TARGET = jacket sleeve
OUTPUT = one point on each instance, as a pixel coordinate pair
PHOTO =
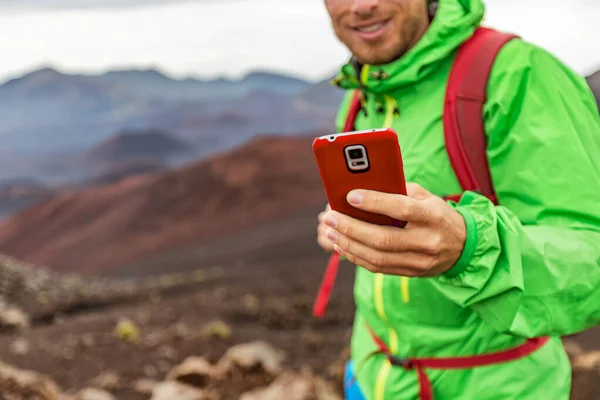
(531, 266)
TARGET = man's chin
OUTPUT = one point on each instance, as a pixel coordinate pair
(376, 60)
(377, 57)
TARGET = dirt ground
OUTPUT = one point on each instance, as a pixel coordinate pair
(266, 278)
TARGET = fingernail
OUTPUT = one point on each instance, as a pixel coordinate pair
(330, 221)
(338, 249)
(355, 197)
(332, 235)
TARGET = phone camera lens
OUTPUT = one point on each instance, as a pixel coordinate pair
(355, 154)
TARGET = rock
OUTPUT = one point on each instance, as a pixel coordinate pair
(572, 348)
(127, 330)
(144, 385)
(155, 338)
(108, 380)
(168, 352)
(294, 386)
(150, 371)
(163, 366)
(67, 354)
(182, 331)
(587, 360)
(586, 376)
(87, 340)
(19, 346)
(19, 384)
(251, 304)
(13, 318)
(195, 371)
(218, 329)
(251, 355)
(93, 394)
(170, 390)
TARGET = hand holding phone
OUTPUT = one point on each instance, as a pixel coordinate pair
(369, 160)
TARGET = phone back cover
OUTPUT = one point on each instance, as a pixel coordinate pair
(386, 173)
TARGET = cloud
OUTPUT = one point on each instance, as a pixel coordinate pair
(211, 38)
(45, 5)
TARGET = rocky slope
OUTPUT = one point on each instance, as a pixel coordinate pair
(104, 227)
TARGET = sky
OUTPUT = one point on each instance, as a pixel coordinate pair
(215, 38)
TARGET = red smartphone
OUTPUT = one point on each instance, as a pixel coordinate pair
(369, 159)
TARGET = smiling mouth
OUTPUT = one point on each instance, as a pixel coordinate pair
(371, 28)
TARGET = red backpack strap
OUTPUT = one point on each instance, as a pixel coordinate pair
(324, 293)
(353, 110)
(466, 95)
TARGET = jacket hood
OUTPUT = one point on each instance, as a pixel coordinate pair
(455, 21)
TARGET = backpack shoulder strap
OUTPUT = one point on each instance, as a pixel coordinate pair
(324, 293)
(466, 95)
(353, 110)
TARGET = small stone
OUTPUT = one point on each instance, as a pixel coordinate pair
(337, 370)
(150, 371)
(87, 340)
(19, 346)
(194, 371)
(94, 394)
(27, 384)
(293, 386)
(587, 360)
(168, 352)
(13, 318)
(42, 298)
(108, 380)
(68, 353)
(251, 304)
(250, 355)
(171, 390)
(163, 366)
(572, 348)
(182, 331)
(71, 341)
(153, 339)
(144, 385)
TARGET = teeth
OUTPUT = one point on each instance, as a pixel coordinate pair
(371, 28)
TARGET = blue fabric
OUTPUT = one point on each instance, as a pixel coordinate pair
(351, 389)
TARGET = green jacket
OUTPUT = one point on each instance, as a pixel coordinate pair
(531, 266)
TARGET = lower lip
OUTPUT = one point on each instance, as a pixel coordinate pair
(374, 35)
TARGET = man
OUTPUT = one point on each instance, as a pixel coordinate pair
(468, 278)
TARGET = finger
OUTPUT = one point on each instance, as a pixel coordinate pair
(321, 216)
(416, 191)
(327, 207)
(322, 229)
(400, 207)
(409, 263)
(354, 259)
(324, 243)
(389, 239)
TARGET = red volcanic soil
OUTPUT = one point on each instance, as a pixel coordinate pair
(101, 228)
